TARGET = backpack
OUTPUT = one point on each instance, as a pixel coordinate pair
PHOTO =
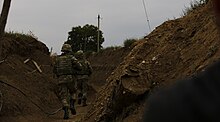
(63, 65)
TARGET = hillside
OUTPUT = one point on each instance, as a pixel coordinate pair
(174, 50)
(27, 93)
(122, 78)
(104, 63)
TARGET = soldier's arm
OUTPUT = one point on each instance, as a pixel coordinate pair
(89, 68)
(76, 64)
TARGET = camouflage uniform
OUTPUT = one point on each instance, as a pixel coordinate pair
(83, 77)
(65, 68)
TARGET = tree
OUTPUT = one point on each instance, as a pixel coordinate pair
(4, 16)
(129, 42)
(85, 38)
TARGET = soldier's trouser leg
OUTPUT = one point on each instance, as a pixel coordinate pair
(79, 89)
(64, 95)
(66, 113)
(72, 106)
(72, 91)
(79, 98)
(84, 91)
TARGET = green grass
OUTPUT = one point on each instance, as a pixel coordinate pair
(21, 36)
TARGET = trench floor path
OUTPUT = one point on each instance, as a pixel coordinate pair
(81, 111)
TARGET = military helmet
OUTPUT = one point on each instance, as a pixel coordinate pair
(79, 54)
(66, 48)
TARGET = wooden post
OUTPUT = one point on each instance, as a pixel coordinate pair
(37, 66)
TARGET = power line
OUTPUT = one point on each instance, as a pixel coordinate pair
(145, 10)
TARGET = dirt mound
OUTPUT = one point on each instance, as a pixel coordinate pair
(176, 49)
(26, 91)
(22, 45)
(103, 63)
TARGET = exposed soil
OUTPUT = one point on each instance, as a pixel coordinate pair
(104, 63)
(174, 50)
(122, 78)
(26, 91)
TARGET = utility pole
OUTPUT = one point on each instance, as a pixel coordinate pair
(98, 33)
(4, 16)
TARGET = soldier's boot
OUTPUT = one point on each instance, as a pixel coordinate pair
(79, 98)
(84, 102)
(72, 106)
(66, 113)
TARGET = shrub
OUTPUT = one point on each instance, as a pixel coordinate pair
(111, 48)
(193, 5)
(129, 42)
(22, 36)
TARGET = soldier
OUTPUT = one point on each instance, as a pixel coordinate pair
(82, 77)
(65, 67)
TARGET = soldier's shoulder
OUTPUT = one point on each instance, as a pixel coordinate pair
(61, 56)
(87, 61)
(57, 57)
(72, 57)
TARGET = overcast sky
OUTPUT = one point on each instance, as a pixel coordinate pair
(51, 20)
